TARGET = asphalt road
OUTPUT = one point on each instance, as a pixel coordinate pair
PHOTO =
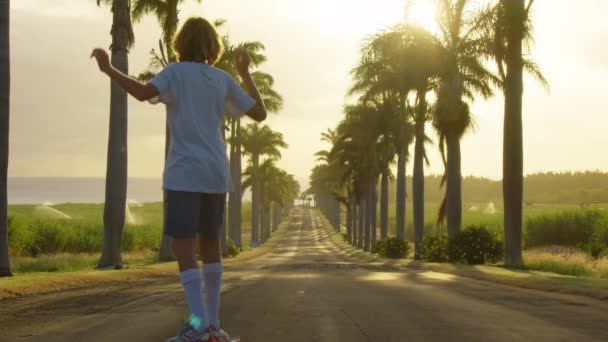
(306, 289)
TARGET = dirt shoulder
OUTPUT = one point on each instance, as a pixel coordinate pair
(544, 281)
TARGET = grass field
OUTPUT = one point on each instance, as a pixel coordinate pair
(68, 237)
(487, 214)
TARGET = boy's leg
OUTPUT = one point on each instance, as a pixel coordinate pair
(212, 276)
(190, 275)
(212, 217)
(182, 220)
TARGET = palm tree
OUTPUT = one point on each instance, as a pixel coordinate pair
(512, 28)
(464, 75)
(273, 102)
(116, 171)
(166, 12)
(394, 63)
(5, 84)
(331, 191)
(420, 55)
(359, 154)
(330, 184)
(277, 188)
(263, 173)
(259, 141)
(327, 186)
(282, 191)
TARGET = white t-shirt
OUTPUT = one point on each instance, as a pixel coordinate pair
(197, 96)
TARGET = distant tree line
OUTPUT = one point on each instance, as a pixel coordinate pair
(580, 188)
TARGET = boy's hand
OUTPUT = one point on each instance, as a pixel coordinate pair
(243, 61)
(103, 60)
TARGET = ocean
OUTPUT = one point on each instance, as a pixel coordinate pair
(77, 190)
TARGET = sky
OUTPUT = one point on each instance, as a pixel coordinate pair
(60, 102)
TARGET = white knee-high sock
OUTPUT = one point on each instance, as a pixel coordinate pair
(213, 284)
(191, 281)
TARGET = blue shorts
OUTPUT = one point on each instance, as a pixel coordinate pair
(192, 213)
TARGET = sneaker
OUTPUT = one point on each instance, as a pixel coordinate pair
(219, 335)
(190, 334)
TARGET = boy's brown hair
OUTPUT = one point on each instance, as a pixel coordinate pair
(198, 41)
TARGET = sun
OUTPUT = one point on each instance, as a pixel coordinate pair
(422, 13)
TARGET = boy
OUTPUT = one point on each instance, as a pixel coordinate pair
(197, 174)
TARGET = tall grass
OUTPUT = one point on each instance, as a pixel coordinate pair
(567, 228)
(32, 233)
(476, 213)
(39, 236)
(566, 261)
(575, 228)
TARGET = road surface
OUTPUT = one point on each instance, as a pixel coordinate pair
(306, 289)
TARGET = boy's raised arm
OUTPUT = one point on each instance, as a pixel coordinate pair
(138, 90)
(257, 112)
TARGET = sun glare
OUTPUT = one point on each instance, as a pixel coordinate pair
(355, 17)
(423, 13)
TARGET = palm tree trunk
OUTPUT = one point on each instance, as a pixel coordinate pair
(368, 216)
(116, 170)
(276, 216)
(513, 139)
(232, 197)
(374, 211)
(349, 221)
(262, 225)
(5, 90)
(321, 200)
(166, 245)
(170, 28)
(384, 206)
(453, 185)
(255, 204)
(337, 213)
(223, 231)
(418, 175)
(238, 188)
(401, 194)
(353, 240)
(266, 223)
(361, 235)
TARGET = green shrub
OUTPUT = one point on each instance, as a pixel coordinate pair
(598, 244)
(344, 236)
(391, 248)
(475, 245)
(435, 248)
(233, 249)
(574, 228)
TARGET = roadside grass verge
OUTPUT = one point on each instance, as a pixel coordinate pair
(566, 261)
(67, 262)
(540, 272)
(140, 266)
